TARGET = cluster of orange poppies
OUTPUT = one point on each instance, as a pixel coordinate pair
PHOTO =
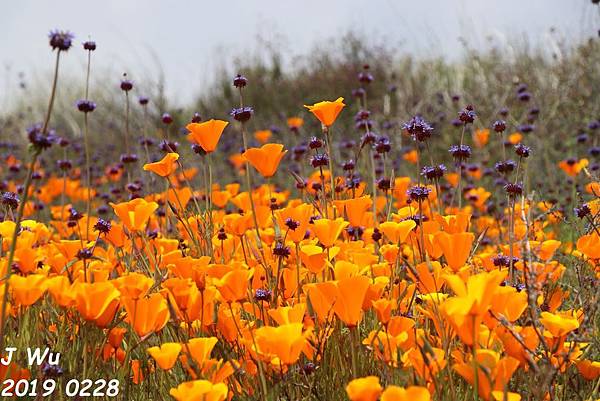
(233, 304)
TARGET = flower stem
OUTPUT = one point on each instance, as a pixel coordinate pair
(26, 186)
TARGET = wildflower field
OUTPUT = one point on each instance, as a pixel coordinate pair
(361, 229)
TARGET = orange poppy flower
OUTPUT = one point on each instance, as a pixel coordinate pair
(165, 355)
(137, 371)
(295, 123)
(200, 349)
(411, 156)
(265, 159)
(327, 111)
(61, 290)
(456, 247)
(425, 364)
(572, 166)
(397, 232)
(349, 300)
(411, 393)
(509, 303)
(288, 314)
(493, 372)
(589, 245)
(590, 370)
(97, 302)
(147, 315)
(327, 230)
(27, 290)
(233, 286)
(164, 167)
(263, 136)
(481, 137)
(354, 209)
(515, 138)
(207, 133)
(344, 297)
(314, 258)
(282, 344)
(300, 215)
(473, 299)
(135, 213)
(200, 390)
(383, 308)
(558, 324)
(133, 285)
(364, 389)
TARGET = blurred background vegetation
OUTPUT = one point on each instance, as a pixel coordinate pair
(563, 86)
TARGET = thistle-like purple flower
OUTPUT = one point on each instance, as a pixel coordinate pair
(61, 40)
(420, 129)
(242, 114)
(85, 106)
(418, 193)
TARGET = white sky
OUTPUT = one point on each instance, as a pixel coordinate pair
(192, 39)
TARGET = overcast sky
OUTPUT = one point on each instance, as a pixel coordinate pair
(191, 39)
